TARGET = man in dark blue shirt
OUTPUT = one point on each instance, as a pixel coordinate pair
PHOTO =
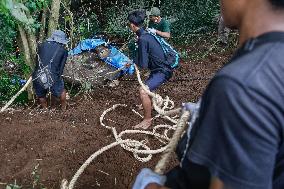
(237, 141)
(52, 53)
(150, 56)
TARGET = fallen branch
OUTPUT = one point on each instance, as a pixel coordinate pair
(16, 95)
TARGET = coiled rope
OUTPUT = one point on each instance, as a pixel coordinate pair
(165, 110)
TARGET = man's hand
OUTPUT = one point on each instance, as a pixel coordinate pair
(128, 64)
(152, 30)
(147, 177)
(155, 186)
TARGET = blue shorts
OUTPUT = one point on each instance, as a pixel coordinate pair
(155, 80)
(56, 90)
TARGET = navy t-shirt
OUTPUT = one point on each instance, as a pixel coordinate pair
(240, 130)
(150, 54)
(48, 50)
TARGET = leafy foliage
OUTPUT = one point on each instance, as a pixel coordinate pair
(186, 16)
(9, 82)
(36, 181)
(20, 12)
(9, 86)
(189, 17)
(7, 36)
(86, 26)
(116, 21)
(35, 6)
(13, 186)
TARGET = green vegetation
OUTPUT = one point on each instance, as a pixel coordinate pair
(11, 68)
(36, 181)
(189, 19)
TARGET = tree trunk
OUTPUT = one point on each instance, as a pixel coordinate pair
(54, 16)
(25, 45)
(33, 46)
(70, 30)
(27, 55)
(43, 25)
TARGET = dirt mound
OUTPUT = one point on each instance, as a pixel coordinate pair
(61, 142)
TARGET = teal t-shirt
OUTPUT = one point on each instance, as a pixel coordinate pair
(163, 25)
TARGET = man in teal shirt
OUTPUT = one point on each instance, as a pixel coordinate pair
(158, 25)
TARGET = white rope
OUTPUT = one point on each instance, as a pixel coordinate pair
(157, 100)
(164, 107)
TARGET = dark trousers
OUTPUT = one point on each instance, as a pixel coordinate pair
(190, 176)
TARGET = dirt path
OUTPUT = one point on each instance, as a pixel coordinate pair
(60, 143)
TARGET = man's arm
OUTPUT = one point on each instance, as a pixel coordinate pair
(216, 183)
(163, 34)
(166, 32)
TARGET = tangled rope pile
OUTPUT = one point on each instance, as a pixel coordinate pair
(165, 110)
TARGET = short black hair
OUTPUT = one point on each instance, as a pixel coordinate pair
(137, 17)
(277, 3)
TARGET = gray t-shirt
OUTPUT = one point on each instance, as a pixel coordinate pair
(240, 130)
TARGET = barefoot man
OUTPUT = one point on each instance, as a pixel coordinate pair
(150, 56)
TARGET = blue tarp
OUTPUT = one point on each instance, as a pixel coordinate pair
(116, 58)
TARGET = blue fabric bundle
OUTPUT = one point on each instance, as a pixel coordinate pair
(116, 58)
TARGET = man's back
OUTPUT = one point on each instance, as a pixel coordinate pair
(150, 52)
(49, 50)
(239, 133)
(261, 73)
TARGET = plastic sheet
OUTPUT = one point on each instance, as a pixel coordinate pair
(115, 59)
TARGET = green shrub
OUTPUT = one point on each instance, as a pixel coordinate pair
(117, 18)
(190, 16)
(9, 82)
(7, 35)
(86, 26)
(186, 16)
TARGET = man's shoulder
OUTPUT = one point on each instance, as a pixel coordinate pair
(255, 63)
(258, 74)
(48, 48)
(49, 45)
(165, 21)
(146, 37)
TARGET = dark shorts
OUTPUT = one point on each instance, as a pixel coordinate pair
(56, 90)
(156, 79)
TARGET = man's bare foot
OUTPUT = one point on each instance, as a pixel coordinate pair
(63, 106)
(140, 107)
(145, 124)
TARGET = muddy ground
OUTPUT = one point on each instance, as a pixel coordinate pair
(59, 143)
